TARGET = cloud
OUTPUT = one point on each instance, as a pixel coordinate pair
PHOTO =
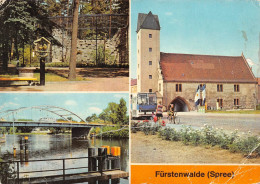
(95, 110)
(250, 62)
(8, 104)
(71, 102)
(121, 96)
(168, 13)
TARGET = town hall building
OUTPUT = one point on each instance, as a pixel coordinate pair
(230, 82)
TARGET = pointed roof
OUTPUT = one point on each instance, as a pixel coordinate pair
(148, 21)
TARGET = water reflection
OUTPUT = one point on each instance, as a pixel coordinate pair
(59, 146)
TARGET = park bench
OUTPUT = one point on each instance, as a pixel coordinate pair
(30, 80)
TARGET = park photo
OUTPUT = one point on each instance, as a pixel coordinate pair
(64, 137)
(79, 45)
(194, 82)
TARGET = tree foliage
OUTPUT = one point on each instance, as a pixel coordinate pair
(114, 113)
(21, 22)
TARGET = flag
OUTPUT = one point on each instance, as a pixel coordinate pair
(204, 94)
(197, 96)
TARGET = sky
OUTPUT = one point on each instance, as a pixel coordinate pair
(82, 104)
(208, 27)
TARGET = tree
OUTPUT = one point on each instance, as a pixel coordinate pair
(21, 22)
(73, 52)
(112, 112)
(91, 118)
(121, 112)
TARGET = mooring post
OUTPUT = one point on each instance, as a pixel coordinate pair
(92, 161)
(26, 144)
(115, 162)
(21, 146)
(102, 153)
(108, 153)
(18, 172)
(63, 163)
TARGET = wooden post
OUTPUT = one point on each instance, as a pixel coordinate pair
(21, 146)
(102, 153)
(92, 162)
(42, 71)
(63, 163)
(26, 145)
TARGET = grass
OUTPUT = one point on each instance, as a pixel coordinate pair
(236, 112)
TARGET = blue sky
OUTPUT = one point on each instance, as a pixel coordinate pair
(83, 104)
(210, 27)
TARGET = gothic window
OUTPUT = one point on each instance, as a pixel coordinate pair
(150, 76)
(150, 49)
(150, 62)
(150, 35)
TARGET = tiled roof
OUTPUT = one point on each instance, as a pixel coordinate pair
(148, 21)
(133, 82)
(205, 68)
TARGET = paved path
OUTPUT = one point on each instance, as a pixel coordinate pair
(94, 84)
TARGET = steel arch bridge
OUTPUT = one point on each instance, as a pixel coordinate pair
(79, 129)
(58, 111)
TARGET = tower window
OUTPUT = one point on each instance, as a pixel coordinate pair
(150, 62)
(220, 87)
(236, 88)
(178, 87)
(150, 49)
(150, 35)
(150, 76)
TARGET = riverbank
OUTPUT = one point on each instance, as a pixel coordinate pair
(152, 149)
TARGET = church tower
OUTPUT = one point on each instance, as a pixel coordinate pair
(148, 52)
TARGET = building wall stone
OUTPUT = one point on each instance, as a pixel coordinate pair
(246, 94)
(86, 48)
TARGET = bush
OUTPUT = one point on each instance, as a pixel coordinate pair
(110, 132)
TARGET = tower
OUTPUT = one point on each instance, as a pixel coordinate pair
(148, 52)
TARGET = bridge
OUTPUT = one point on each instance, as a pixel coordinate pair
(79, 128)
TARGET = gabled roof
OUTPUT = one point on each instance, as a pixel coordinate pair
(205, 68)
(148, 21)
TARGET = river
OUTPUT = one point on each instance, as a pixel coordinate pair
(57, 147)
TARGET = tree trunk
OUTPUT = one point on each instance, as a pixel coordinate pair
(73, 52)
(5, 56)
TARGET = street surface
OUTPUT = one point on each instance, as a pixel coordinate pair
(242, 122)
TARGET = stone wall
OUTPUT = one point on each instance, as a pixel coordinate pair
(246, 95)
(86, 48)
